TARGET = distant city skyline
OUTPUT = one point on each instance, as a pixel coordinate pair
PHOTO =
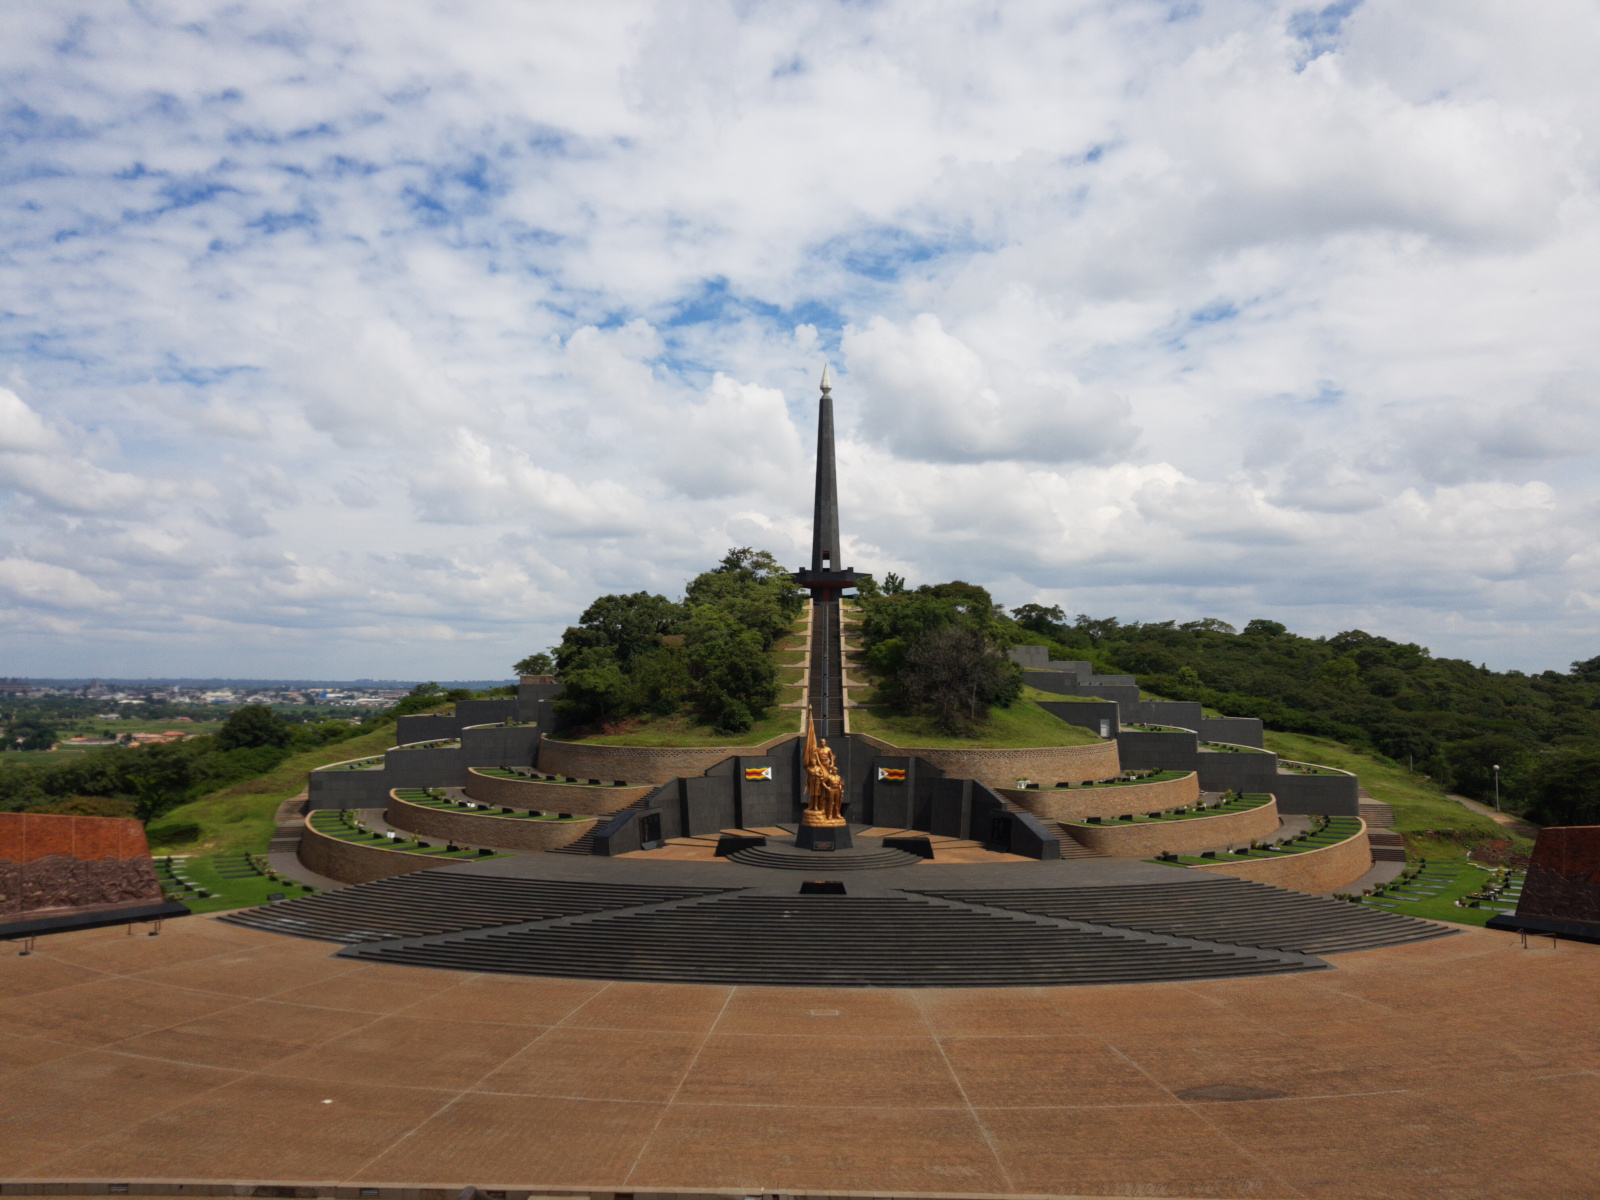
(380, 340)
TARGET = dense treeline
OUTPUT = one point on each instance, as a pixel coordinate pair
(1453, 720)
(939, 650)
(146, 781)
(708, 655)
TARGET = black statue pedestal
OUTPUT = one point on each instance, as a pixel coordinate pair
(823, 837)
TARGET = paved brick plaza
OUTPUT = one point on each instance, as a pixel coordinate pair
(1462, 1067)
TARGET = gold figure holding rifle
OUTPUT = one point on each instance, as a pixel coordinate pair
(824, 788)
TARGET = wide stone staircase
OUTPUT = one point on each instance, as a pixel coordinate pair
(1234, 911)
(839, 941)
(433, 902)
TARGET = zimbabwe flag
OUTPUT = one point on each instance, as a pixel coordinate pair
(892, 774)
(751, 774)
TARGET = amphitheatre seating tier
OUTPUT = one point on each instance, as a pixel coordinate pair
(1324, 869)
(1237, 912)
(825, 941)
(514, 790)
(1187, 835)
(1110, 800)
(1002, 767)
(423, 905)
(416, 812)
(653, 765)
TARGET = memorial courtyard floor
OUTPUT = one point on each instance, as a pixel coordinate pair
(1461, 1067)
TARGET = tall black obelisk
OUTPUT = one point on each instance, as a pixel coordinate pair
(826, 578)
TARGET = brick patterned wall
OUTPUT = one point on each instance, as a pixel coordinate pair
(59, 881)
(28, 836)
(1179, 837)
(1315, 871)
(1074, 804)
(654, 765)
(535, 795)
(476, 829)
(1564, 877)
(350, 862)
(1002, 768)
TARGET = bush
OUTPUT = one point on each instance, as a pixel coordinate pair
(253, 726)
(177, 832)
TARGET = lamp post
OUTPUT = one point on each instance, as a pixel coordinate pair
(1497, 787)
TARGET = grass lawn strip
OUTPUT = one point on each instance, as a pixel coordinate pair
(1451, 882)
(427, 799)
(1023, 725)
(1336, 830)
(337, 823)
(1241, 804)
(199, 884)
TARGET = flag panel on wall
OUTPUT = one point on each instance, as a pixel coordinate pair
(751, 774)
(892, 774)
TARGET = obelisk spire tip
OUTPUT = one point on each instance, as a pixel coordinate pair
(827, 384)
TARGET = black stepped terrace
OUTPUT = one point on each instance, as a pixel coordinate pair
(839, 941)
(431, 902)
(1233, 911)
(786, 857)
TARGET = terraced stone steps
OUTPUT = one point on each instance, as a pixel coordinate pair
(823, 862)
(1235, 912)
(428, 903)
(836, 941)
(1386, 846)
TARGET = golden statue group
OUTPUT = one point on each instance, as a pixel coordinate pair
(824, 788)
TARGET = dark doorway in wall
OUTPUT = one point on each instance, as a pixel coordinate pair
(649, 830)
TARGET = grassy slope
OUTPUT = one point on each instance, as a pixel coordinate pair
(1023, 724)
(1030, 692)
(1419, 806)
(240, 817)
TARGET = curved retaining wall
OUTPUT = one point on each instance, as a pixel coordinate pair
(1002, 768)
(1315, 871)
(654, 765)
(479, 829)
(352, 862)
(537, 795)
(1181, 837)
(1074, 804)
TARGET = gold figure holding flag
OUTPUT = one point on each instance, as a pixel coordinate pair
(824, 788)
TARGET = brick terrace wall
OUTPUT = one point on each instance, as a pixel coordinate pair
(1074, 804)
(1002, 768)
(1180, 837)
(640, 764)
(534, 795)
(25, 837)
(1314, 871)
(475, 829)
(352, 862)
(1564, 876)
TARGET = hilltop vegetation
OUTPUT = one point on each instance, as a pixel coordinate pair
(1448, 718)
(706, 664)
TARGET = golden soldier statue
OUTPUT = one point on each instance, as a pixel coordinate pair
(824, 788)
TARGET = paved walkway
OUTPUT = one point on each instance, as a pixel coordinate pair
(1499, 818)
(1462, 1067)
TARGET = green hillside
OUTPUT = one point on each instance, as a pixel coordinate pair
(1452, 720)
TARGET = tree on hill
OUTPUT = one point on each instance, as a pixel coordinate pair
(539, 663)
(940, 650)
(251, 727)
(708, 655)
(1453, 720)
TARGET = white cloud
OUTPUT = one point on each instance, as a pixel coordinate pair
(29, 582)
(372, 340)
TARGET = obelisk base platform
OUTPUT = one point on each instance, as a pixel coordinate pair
(823, 837)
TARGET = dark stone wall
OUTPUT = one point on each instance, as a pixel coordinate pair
(1175, 750)
(1221, 771)
(499, 746)
(1235, 731)
(439, 767)
(1086, 714)
(1317, 795)
(347, 789)
(1185, 714)
(427, 727)
(485, 712)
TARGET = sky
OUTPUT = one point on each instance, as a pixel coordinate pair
(377, 339)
